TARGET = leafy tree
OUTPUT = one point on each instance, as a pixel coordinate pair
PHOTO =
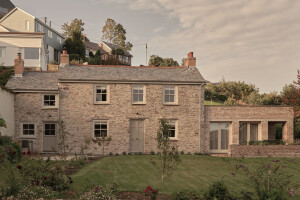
(118, 51)
(95, 59)
(168, 157)
(115, 34)
(5, 74)
(75, 26)
(158, 61)
(2, 123)
(75, 45)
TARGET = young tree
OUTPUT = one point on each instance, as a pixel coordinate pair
(75, 26)
(168, 157)
(75, 45)
(115, 34)
(2, 123)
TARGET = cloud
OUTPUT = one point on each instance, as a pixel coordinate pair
(256, 41)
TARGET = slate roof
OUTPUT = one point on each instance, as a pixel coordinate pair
(113, 46)
(34, 81)
(91, 45)
(7, 4)
(130, 74)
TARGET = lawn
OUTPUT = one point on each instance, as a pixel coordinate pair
(135, 173)
(214, 103)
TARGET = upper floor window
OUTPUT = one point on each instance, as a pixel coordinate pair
(101, 94)
(100, 129)
(138, 94)
(39, 27)
(170, 95)
(28, 129)
(27, 23)
(50, 101)
(50, 34)
(2, 52)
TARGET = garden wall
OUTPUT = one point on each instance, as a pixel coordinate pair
(264, 150)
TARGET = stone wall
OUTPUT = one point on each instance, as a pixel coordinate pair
(264, 150)
(28, 109)
(264, 115)
(78, 111)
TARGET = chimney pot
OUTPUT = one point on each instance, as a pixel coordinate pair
(190, 61)
(64, 58)
(19, 66)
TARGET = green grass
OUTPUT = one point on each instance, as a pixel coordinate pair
(215, 103)
(135, 173)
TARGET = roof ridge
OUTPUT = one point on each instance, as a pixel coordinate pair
(172, 67)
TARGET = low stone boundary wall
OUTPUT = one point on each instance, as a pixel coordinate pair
(264, 150)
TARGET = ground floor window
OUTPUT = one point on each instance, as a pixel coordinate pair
(100, 128)
(173, 131)
(28, 129)
(219, 137)
(248, 131)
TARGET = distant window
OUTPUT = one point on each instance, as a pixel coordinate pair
(49, 101)
(50, 34)
(39, 27)
(170, 95)
(28, 129)
(100, 128)
(58, 39)
(138, 94)
(101, 94)
(2, 52)
(31, 53)
(27, 25)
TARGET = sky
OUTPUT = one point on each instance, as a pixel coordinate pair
(256, 41)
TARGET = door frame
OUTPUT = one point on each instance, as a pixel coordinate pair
(137, 119)
(56, 134)
(219, 150)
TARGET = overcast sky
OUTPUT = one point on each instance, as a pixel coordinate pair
(239, 40)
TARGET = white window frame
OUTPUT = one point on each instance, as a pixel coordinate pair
(133, 87)
(259, 138)
(165, 87)
(50, 34)
(175, 123)
(100, 121)
(27, 136)
(27, 25)
(107, 94)
(3, 52)
(49, 107)
(219, 150)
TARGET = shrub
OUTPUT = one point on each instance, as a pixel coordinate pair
(124, 153)
(3, 155)
(116, 154)
(152, 153)
(189, 153)
(36, 192)
(140, 153)
(186, 195)
(129, 153)
(182, 152)
(149, 191)
(12, 182)
(218, 190)
(270, 181)
(100, 193)
(14, 152)
(5, 140)
(111, 154)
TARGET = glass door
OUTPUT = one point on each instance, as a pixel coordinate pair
(219, 137)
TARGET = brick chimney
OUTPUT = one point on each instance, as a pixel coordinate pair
(19, 66)
(190, 61)
(64, 58)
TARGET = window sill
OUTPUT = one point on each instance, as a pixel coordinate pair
(139, 103)
(170, 104)
(173, 139)
(27, 137)
(49, 108)
(101, 103)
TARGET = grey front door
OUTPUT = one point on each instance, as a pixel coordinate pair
(50, 137)
(136, 135)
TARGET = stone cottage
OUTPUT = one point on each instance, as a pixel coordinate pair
(126, 103)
